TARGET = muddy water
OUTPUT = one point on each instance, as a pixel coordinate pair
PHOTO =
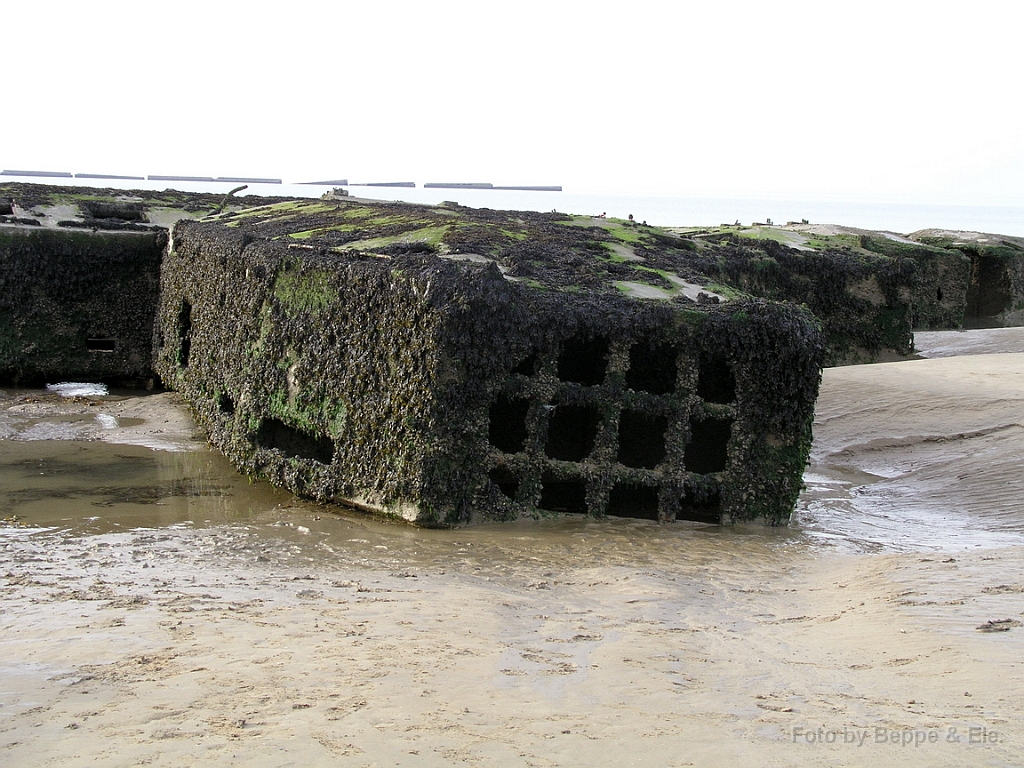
(59, 476)
(67, 488)
(94, 487)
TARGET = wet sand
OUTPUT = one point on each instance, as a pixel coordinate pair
(158, 609)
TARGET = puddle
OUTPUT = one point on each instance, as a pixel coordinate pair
(75, 488)
(78, 389)
(95, 487)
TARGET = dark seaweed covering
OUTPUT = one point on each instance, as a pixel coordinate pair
(77, 304)
(867, 295)
(124, 204)
(941, 280)
(862, 299)
(441, 391)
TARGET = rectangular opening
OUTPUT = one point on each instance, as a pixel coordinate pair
(276, 434)
(505, 481)
(633, 501)
(526, 366)
(990, 290)
(641, 439)
(184, 333)
(572, 430)
(563, 496)
(700, 508)
(715, 380)
(584, 360)
(507, 426)
(99, 345)
(652, 368)
(708, 449)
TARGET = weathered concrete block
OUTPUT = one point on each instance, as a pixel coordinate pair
(441, 391)
(77, 304)
(990, 287)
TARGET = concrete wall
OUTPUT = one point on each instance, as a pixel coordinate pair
(77, 304)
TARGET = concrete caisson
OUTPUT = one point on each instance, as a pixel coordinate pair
(441, 391)
(77, 304)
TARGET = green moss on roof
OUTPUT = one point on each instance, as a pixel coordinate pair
(432, 236)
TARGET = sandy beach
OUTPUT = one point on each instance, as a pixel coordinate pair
(160, 610)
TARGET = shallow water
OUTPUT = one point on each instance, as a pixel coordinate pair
(75, 488)
(841, 509)
(57, 484)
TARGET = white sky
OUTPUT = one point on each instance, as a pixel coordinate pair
(881, 101)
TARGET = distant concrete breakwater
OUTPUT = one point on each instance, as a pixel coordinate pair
(264, 180)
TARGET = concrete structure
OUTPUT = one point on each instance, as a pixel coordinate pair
(439, 390)
(445, 364)
(78, 304)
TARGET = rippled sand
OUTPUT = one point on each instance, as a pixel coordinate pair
(159, 609)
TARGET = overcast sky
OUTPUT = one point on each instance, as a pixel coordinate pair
(886, 101)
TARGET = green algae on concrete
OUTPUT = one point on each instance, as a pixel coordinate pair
(991, 293)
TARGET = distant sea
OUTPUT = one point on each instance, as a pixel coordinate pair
(659, 210)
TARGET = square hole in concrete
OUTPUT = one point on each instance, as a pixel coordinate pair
(507, 427)
(563, 495)
(294, 442)
(641, 439)
(633, 501)
(715, 380)
(505, 480)
(705, 510)
(184, 333)
(526, 366)
(708, 449)
(572, 430)
(584, 360)
(652, 368)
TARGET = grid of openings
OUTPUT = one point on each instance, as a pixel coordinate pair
(638, 429)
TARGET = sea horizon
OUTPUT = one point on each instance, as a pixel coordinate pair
(665, 210)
